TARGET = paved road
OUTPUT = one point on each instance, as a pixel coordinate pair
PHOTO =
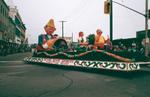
(18, 79)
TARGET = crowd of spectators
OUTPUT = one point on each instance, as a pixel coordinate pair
(7, 48)
(132, 47)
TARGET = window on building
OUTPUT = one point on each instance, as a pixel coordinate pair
(1, 9)
(4, 12)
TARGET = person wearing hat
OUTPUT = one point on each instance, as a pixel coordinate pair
(99, 40)
(49, 29)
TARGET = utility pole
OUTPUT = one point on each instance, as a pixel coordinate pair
(146, 28)
(72, 37)
(62, 22)
(111, 20)
(108, 9)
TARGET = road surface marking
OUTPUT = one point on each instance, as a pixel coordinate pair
(10, 61)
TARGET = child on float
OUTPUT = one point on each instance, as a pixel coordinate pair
(81, 40)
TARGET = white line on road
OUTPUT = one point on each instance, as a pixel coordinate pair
(10, 61)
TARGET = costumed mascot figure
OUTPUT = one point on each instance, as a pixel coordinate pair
(48, 41)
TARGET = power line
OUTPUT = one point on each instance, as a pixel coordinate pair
(129, 8)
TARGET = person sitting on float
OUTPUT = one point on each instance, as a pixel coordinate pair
(108, 44)
(99, 40)
(81, 40)
(49, 29)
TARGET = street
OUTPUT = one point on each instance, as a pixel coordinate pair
(19, 79)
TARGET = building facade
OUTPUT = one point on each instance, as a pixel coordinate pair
(12, 31)
(141, 34)
(12, 28)
(4, 20)
(20, 27)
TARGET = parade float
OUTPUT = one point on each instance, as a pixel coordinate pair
(53, 50)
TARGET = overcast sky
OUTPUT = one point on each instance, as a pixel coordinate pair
(81, 15)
